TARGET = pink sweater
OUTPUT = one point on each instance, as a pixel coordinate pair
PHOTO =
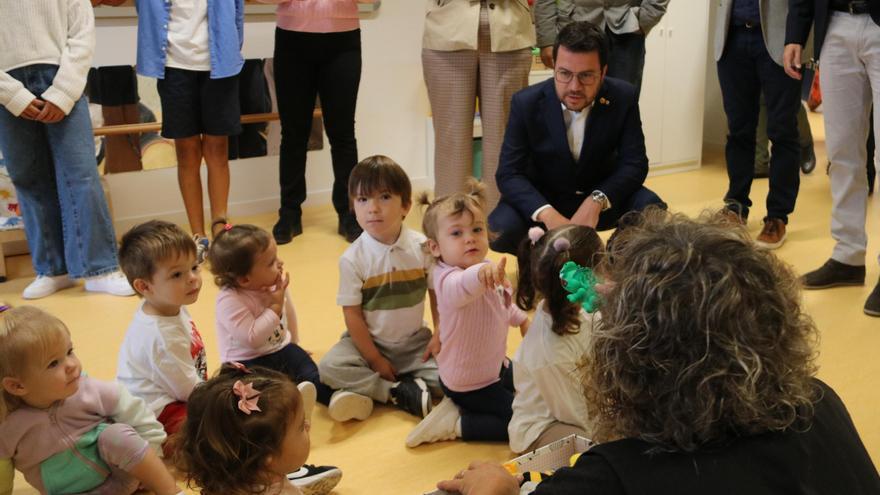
(473, 328)
(317, 16)
(248, 329)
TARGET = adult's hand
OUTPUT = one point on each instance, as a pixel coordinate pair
(50, 113)
(552, 218)
(547, 56)
(482, 478)
(588, 214)
(791, 60)
(33, 109)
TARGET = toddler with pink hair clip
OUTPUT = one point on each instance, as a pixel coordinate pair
(246, 429)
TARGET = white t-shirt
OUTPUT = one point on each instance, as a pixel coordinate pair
(162, 358)
(546, 379)
(388, 282)
(188, 46)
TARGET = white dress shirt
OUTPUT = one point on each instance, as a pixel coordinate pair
(575, 128)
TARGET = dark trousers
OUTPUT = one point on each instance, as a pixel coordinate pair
(486, 412)
(626, 57)
(296, 363)
(746, 70)
(511, 227)
(309, 65)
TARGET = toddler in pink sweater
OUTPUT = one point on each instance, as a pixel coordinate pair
(474, 304)
(256, 320)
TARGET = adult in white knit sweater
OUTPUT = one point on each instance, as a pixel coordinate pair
(46, 49)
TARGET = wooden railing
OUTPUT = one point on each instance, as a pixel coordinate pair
(115, 130)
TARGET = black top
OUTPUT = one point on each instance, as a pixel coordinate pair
(745, 10)
(827, 459)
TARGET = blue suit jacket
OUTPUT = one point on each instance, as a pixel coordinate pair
(536, 166)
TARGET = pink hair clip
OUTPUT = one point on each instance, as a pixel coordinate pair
(535, 233)
(247, 397)
(240, 367)
(227, 226)
(561, 244)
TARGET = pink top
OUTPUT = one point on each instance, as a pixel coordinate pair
(247, 328)
(31, 435)
(473, 328)
(317, 16)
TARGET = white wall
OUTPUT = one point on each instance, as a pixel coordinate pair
(392, 107)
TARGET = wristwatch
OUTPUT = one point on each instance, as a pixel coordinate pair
(599, 197)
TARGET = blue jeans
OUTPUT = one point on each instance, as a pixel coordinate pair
(53, 169)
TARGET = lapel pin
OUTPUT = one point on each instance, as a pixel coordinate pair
(604, 101)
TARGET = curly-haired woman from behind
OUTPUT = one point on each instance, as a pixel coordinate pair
(701, 376)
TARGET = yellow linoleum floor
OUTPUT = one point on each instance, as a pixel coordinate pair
(372, 453)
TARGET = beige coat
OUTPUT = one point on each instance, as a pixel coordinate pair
(454, 24)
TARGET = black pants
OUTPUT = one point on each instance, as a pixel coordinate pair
(511, 227)
(309, 65)
(745, 70)
(486, 412)
(296, 363)
(626, 57)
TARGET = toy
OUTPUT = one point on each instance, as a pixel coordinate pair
(580, 282)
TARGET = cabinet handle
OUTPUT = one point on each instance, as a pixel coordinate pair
(669, 32)
(662, 31)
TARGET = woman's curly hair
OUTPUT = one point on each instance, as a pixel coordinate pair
(702, 337)
(222, 450)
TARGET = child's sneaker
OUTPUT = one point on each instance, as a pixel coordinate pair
(315, 480)
(202, 245)
(113, 283)
(441, 424)
(44, 286)
(309, 395)
(346, 405)
(412, 396)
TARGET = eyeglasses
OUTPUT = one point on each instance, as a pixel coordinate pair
(585, 78)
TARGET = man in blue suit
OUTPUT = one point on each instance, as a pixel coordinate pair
(574, 151)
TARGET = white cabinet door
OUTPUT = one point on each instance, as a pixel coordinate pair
(651, 98)
(685, 80)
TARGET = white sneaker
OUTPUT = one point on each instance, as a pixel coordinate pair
(346, 405)
(310, 395)
(43, 286)
(112, 283)
(437, 426)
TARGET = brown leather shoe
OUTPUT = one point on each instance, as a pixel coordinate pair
(729, 216)
(772, 235)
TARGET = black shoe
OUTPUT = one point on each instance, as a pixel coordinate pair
(808, 160)
(285, 230)
(348, 227)
(315, 480)
(833, 274)
(412, 396)
(872, 304)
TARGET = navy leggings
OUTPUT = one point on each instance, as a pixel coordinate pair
(486, 412)
(296, 363)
